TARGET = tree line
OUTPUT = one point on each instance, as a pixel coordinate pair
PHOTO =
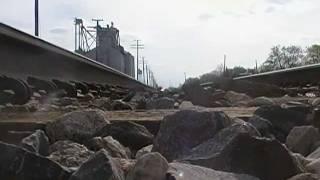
(280, 57)
(283, 57)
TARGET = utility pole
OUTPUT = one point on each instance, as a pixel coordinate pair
(138, 60)
(36, 18)
(75, 34)
(147, 74)
(150, 78)
(153, 80)
(144, 77)
(77, 26)
(256, 67)
(97, 35)
(137, 46)
(224, 63)
(185, 77)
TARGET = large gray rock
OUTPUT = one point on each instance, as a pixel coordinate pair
(48, 108)
(161, 103)
(111, 145)
(99, 167)
(18, 163)
(297, 106)
(77, 126)
(198, 95)
(262, 125)
(69, 108)
(129, 134)
(139, 96)
(314, 166)
(119, 105)
(185, 105)
(37, 142)
(33, 105)
(143, 151)
(282, 119)
(261, 101)
(65, 101)
(302, 138)
(315, 102)
(69, 154)
(220, 141)
(315, 154)
(300, 161)
(182, 131)
(87, 97)
(237, 99)
(139, 99)
(102, 103)
(305, 176)
(235, 150)
(316, 117)
(180, 171)
(9, 108)
(126, 165)
(151, 166)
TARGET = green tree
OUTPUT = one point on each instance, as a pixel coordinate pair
(265, 67)
(275, 60)
(282, 58)
(312, 55)
(292, 56)
(238, 70)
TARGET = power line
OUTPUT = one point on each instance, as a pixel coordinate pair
(137, 46)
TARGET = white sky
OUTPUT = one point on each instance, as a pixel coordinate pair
(180, 35)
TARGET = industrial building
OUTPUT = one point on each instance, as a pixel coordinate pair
(108, 50)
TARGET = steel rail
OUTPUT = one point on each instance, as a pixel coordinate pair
(298, 76)
(23, 55)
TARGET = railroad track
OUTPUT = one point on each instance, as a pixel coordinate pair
(292, 77)
(29, 64)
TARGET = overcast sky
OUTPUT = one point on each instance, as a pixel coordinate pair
(180, 35)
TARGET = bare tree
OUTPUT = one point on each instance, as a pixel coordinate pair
(219, 70)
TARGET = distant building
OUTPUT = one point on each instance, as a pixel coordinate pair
(110, 52)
